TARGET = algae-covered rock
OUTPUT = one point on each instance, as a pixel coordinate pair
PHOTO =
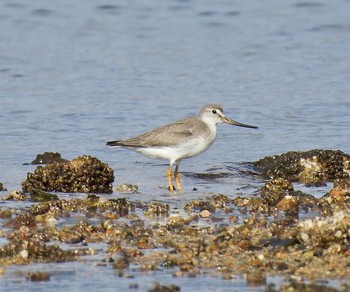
(83, 174)
(310, 167)
(40, 196)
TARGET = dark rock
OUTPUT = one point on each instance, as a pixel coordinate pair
(160, 288)
(22, 220)
(2, 188)
(48, 157)
(121, 263)
(83, 174)
(256, 278)
(38, 277)
(36, 251)
(307, 287)
(310, 167)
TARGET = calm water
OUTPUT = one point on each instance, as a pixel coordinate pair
(75, 74)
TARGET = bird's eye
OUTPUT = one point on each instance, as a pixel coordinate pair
(214, 112)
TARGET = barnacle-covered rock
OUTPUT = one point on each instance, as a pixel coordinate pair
(156, 209)
(212, 204)
(14, 195)
(36, 251)
(83, 174)
(275, 190)
(325, 232)
(341, 190)
(310, 167)
(127, 188)
(288, 204)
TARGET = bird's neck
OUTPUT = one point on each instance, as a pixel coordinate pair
(211, 126)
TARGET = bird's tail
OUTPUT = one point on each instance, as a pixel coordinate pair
(113, 143)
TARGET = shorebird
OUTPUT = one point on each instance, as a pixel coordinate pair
(180, 140)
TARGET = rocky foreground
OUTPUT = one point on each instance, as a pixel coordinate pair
(222, 235)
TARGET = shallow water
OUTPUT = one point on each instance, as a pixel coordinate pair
(76, 74)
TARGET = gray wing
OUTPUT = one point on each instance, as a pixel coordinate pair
(167, 135)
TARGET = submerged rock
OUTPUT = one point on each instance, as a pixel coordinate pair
(162, 288)
(157, 209)
(310, 167)
(127, 188)
(83, 174)
(212, 204)
(38, 276)
(35, 251)
(306, 287)
(48, 157)
(2, 188)
(40, 196)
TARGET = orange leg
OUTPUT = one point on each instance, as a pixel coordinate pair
(177, 179)
(168, 174)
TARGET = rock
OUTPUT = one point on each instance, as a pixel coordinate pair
(38, 276)
(341, 189)
(204, 214)
(127, 188)
(40, 196)
(37, 251)
(162, 288)
(256, 278)
(2, 188)
(14, 195)
(326, 232)
(121, 263)
(157, 209)
(310, 167)
(288, 203)
(212, 204)
(48, 157)
(5, 214)
(275, 190)
(337, 199)
(84, 174)
(306, 287)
